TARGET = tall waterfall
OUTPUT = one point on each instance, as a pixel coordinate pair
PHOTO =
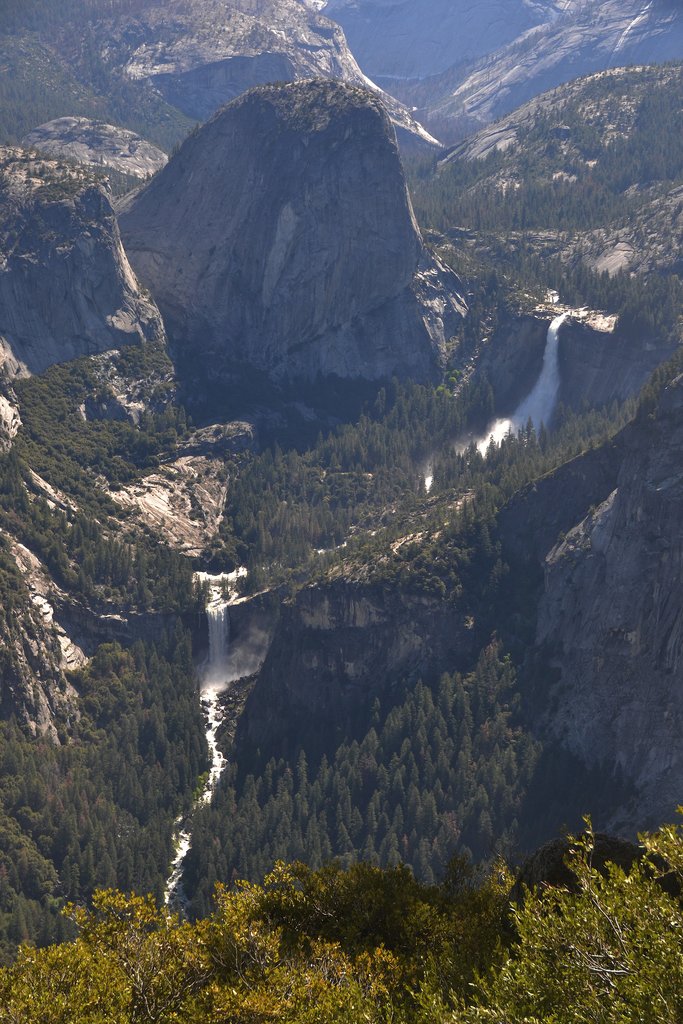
(215, 679)
(219, 640)
(216, 676)
(539, 403)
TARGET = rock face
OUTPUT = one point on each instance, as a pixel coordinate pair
(200, 54)
(532, 521)
(10, 421)
(599, 362)
(513, 357)
(547, 867)
(599, 365)
(281, 237)
(66, 288)
(612, 619)
(413, 40)
(35, 650)
(185, 501)
(96, 144)
(584, 37)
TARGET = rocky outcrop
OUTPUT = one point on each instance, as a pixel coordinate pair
(35, 650)
(66, 287)
(281, 238)
(184, 502)
(96, 144)
(10, 421)
(124, 393)
(547, 867)
(611, 619)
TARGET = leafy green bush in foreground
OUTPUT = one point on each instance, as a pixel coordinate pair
(375, 945)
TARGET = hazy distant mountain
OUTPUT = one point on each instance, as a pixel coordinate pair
(417, 38)
(142, 62)
(584, 37)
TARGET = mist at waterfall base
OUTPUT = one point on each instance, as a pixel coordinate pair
(235, 660)
(539, 404)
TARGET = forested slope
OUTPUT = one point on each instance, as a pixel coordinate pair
(576, 190)
(406, 710)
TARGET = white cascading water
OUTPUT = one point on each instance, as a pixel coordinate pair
(539, 404)
(215, 679)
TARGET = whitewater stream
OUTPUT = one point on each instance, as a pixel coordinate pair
(539, 403)
(215, 679)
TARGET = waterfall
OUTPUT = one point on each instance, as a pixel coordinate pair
(215, 680)
(219, 641)
(216, 677)
(539, 403)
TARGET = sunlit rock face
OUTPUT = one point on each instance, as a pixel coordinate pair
(576, 38)
(96, 144)
(200, 54)
(281, 238)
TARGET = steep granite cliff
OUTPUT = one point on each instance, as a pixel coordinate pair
(612, 620)
(35, 650)
(339, 646)
(66, 288)
(603, 362)
(599, 360)
(281, 237)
